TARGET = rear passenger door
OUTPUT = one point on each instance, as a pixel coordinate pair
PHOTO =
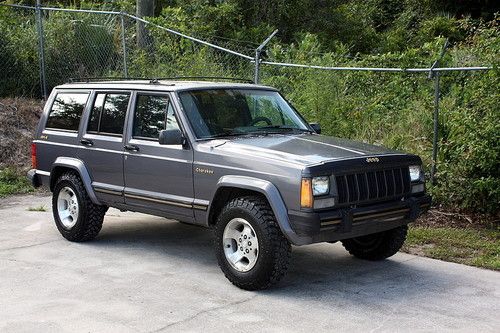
(102, 143)
(157, 177)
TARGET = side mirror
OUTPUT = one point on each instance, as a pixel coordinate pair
(171, 137)
(316, 127)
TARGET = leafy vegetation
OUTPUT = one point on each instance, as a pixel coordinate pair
(40, 208)
(476, 247)
(13, 182)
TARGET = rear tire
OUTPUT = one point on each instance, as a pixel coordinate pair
(77, 218)
(249, 245)
(377, 246)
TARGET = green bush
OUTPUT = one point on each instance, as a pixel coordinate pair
(391, 109)
(82, 45)
(395, 110)
(19, 73)
(13, 182)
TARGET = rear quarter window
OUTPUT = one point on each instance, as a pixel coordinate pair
(66, 111)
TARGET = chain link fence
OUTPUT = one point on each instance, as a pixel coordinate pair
(19, 56)
(164, 53)
(42, 47)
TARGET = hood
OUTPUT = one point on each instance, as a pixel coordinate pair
(305, 149)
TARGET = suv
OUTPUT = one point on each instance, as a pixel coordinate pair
(234, 157)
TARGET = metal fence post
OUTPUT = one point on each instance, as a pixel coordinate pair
(436, 127)
(257, 67)
(124, 46)
(41, 48)
(258, 52)
(435, 75)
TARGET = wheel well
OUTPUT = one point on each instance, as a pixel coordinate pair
(57, 172)
(224, 195)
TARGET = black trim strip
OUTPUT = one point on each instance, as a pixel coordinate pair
(162, 201)
(106, 191)
(331, 222)
(359, 217)
(382, 214)
(200, 207)
(167, 202)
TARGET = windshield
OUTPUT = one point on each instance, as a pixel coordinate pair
(232, 112)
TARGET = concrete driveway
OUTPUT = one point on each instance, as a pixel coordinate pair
(149, 274)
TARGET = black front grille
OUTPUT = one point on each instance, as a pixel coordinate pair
(372, 185)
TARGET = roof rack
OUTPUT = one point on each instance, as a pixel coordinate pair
(157, 80)
(206, 78)
(104, 78)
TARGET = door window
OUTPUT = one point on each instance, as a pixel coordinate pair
(152, 115)
(108, 114)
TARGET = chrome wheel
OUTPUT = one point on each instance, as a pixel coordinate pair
(67, 207)
(241, 246)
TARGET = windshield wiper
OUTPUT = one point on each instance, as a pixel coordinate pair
(225, 134)
(282, 127)
(264, 130)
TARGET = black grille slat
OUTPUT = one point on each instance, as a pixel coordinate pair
(382, 184)
(348, 196)
(351, 186)
(405, 172)
(372, 185)
(341, 189)
(389, 181)
(362, 187)
(398, 181)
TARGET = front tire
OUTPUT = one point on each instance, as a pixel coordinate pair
(77, 218)
(250, 248)
(377, 246)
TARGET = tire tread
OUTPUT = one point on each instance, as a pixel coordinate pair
(92, 214)
(281, 249)
(391, 243)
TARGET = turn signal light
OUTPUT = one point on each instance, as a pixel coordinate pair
(33, 156)
(306, 194)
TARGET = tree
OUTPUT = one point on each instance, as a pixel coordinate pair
(144, 8)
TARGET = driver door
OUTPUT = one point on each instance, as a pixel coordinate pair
(157, 177)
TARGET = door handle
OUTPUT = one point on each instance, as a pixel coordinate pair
(87, 142)
(131, 147)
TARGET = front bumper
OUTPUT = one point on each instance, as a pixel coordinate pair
(333, 225)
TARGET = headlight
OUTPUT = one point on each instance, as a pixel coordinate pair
(415, 173)
(320, 185)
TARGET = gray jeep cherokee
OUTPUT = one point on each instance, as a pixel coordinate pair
(234, 157)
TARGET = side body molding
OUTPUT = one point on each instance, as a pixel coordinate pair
(273, 197)
(78, 166)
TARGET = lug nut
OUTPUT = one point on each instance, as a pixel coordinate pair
(245, 236)
(249, 243)
(240, 240)
(247, 251)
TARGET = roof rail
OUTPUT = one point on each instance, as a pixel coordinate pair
(206, 78)
(104, 78)
(157, 80)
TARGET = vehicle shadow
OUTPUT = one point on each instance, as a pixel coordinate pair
(316, 271)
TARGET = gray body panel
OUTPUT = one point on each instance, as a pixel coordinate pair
(182, 181)
(104, 160)
(160, 172)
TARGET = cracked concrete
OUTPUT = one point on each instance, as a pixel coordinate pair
(149, 274)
